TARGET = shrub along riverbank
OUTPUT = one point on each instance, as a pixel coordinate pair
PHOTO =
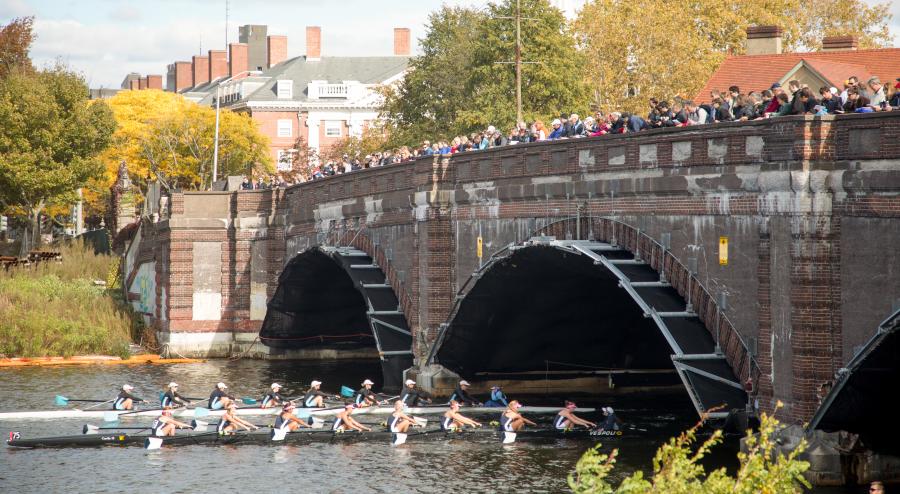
(58, 309)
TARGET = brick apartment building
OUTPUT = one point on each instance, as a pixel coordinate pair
(320, 99)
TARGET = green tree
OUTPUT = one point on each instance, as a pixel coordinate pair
(428, 101)
(462, 81)
(49, 141)
(677, 468)
(15, 41)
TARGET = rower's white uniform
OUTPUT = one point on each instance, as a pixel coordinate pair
(447, 424)
(157, 427)
(337, 424)
(561, 423)
(395, 424)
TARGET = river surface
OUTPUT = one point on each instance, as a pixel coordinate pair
(426, 467)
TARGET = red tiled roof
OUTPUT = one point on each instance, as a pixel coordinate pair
(758, 72)
(836, 72)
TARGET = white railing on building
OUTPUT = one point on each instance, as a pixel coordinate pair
(333, 91)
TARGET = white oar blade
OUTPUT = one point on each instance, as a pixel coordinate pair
(317, 423)
(153, 443)
(278, 434)
(509, 437)
(89, 429)
(110, 416)
(421, 422)
(399, 438)
(199, 425)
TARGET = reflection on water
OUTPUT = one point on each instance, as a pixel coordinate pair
(481, 465)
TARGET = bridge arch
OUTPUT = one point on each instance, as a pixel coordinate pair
(340, 298)
(617, 278)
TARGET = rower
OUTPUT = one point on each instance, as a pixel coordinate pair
(462, 396)
(410, 396)
(365, 396)
(165, 425)
(219, 399)
(498, 399)
(453, 420)
(343, 421)
(314, 398)
(400, 421)
(125, 400)
(610, 420)
(272, 398)
(566, 418)
(172, 399)
(511, 420)
(231, 422)
(286, 420)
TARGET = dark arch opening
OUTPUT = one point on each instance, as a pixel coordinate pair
(541, 305)
(316, 305)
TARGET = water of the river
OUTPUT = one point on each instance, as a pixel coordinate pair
(433, 466)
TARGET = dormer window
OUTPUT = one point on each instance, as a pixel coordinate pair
(285, 89)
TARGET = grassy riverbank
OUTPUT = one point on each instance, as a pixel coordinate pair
(57, 309)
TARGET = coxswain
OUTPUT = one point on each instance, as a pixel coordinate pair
(165, 424)
(231, 422)
(314, 398)
(286, 420)
(461, 395)
(344, 422)
(511, 420)
(219, 399)
(498, 399)
(125, 400)
(400, 421)
(171, 398)
(453, 420)
(365, 397)
(610, 421)
(411, 395)
(566, 418)
(272, 398)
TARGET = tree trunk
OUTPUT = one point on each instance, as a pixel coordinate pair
(35, 228)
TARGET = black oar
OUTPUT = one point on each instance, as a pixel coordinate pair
(90, 429)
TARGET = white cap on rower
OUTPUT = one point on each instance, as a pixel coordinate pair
(127, 387)
(221, 386)
(410, 381)
(275, 385)
(173, 384)
(368, 382)
(316, 383)
(464, 383)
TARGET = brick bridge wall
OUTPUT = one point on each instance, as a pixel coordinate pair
(810, 206)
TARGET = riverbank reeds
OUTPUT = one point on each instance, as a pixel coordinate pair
(64, 308)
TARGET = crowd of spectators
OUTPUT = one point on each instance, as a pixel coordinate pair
(728, 106)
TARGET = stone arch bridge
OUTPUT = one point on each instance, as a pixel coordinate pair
(752, 259)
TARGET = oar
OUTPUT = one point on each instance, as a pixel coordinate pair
(92, 429)
(113, 416)
(63, 401)
(347, 392)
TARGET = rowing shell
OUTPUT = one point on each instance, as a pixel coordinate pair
(256, 411)
(299, 437)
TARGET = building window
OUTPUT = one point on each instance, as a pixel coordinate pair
(286, 159)
(333, 128)
(285, 89)
(285, 128)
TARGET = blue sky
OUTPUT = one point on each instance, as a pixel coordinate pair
(106, 39)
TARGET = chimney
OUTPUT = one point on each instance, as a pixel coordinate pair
(313, 43)
(142, 83)
(182, 75)
(836, 43)
(763, 40)
(154, 82)
(134, 84)
(237, 59)
(199, 70)
(218, 64)
(401, 41)
(276, 47)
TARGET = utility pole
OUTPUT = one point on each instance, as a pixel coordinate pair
(518, 62)
(215, 170)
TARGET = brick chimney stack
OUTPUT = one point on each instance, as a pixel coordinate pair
(134, 84)
(200, 70)
(237, 59)
(313, 43)
(218, 64)
(836, 43)
(763, 40)
(154, 82)
(276, 47)
(142, 83)
(401, 41)
(183, 76)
